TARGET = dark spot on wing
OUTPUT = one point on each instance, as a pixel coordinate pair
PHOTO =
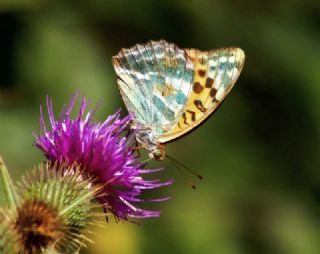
(184, 118)
(209, 82)
(213, 92)
(202, 73)
(197, 87)
(193, 115)
(199, 105)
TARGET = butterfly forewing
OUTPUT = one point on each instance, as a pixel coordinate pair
(215, 73)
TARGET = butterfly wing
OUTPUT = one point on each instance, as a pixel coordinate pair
(215, 73)
(155, 81)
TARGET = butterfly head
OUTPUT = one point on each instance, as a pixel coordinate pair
(158, 153)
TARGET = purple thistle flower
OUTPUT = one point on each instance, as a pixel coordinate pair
(102, 151)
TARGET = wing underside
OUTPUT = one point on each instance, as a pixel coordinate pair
(155, 80)
(171, 90)
(215, 73)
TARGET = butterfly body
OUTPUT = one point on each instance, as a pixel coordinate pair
(151, 143)
(170, 91)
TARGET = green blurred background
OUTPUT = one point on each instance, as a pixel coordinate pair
(259, 154)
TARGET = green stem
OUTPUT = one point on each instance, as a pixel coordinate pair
(8, 186)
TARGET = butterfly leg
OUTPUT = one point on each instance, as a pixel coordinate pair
(137, 148)
(129, 131)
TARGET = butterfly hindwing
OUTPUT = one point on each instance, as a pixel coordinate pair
(215, 73)
(155, 81)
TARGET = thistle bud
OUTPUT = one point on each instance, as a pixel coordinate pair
(55, 206)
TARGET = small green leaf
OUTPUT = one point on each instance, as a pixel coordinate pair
(9, 189)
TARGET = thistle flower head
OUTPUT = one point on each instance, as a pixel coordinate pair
(102, 151)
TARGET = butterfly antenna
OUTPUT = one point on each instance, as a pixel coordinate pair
(177, 166)
(144, 162)
(184, 167)
(106, 214)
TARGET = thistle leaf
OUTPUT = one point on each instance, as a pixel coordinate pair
(9, 188)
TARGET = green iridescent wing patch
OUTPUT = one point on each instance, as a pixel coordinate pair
(155, 81)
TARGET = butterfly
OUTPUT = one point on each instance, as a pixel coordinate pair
(170, 91)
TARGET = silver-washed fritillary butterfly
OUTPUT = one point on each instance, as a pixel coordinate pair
(170, 91)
